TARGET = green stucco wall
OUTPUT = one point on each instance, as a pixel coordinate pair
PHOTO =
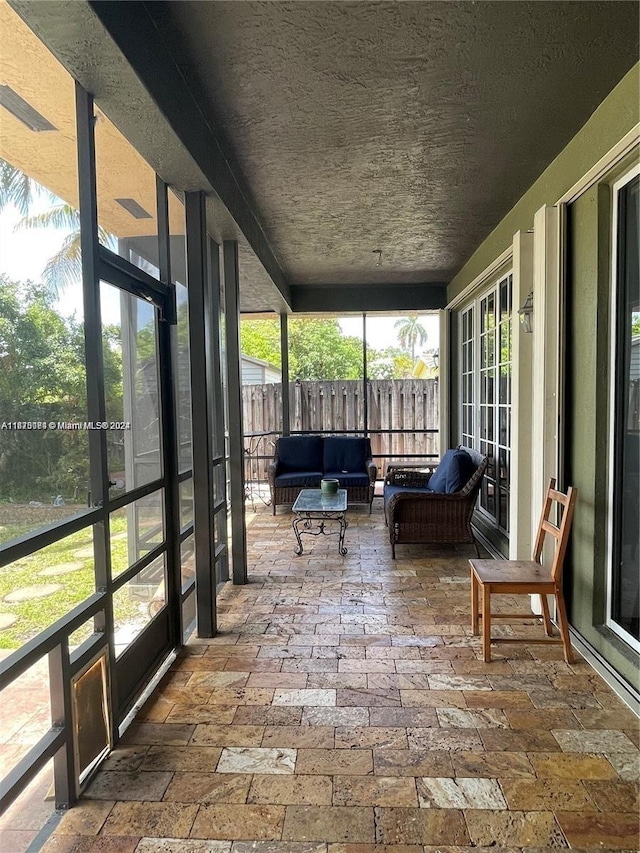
(615, 116)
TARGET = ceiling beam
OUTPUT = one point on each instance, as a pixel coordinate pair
(368, 297)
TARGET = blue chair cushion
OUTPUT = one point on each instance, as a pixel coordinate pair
(455, 469)
(307, 479)
(389, 491)
(300, 453)
(346, 454)
(347, 480)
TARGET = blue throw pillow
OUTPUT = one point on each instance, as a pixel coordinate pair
(453, 472)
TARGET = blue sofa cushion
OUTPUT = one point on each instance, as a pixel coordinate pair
(300, 453)
(346, 454)
(455, 469)
(307, 479)
(348, 480)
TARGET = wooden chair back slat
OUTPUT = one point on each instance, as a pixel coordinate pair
(559, 532)
(549, 527)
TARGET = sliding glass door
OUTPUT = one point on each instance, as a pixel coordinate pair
(624, 575)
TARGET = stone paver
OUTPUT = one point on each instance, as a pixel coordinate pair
(344, 707)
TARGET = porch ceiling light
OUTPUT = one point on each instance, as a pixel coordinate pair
(526, 313)
(23, 111)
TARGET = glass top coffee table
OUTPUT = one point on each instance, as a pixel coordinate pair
(313, 510)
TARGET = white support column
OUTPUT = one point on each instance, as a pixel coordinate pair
(520, 538)
(546, 356)
(546, 360)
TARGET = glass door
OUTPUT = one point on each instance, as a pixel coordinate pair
(137, 580)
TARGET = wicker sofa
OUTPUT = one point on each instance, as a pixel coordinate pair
(415, 514)
(301, 461)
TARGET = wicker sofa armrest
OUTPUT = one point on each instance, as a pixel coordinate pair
(372, 470)
(272, 470)
(409, 478)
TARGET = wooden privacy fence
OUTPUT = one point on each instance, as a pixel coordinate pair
(408, 405)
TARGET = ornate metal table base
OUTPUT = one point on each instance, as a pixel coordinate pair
(313, 510)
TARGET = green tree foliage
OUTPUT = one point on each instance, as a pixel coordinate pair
(43, 378)
(411, 332)
(16, 188)
(319, 350)
(389, 363)
(261, 339)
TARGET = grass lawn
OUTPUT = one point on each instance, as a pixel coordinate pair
(19, 519)
(65, 571)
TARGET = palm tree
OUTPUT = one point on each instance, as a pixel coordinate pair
(16, 188)
(65, 267)
(410, 332)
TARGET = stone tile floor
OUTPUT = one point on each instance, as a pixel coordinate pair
(344, 708)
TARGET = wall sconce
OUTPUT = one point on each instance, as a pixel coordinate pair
(526, 313)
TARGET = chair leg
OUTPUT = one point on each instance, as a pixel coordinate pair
(474, 604)
(564, 626)
(486, 623)
(393, 550)
(545, 614)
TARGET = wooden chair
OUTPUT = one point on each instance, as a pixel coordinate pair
(523, 577)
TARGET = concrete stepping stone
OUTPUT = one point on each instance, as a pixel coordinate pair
(83, 553)
(30, 593)
(60, 569)
(7, 620)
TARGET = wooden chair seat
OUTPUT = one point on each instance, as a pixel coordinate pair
(515, 572)
(522, 577)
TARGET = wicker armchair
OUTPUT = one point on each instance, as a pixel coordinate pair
(415, 516)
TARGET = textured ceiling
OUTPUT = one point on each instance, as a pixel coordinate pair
(409, 127)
